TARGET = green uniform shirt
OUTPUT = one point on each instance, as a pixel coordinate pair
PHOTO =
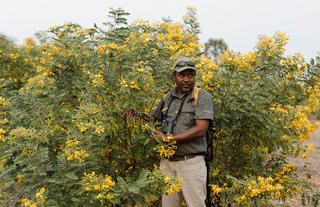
(186, 119)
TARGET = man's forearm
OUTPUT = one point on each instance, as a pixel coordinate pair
(193, 133)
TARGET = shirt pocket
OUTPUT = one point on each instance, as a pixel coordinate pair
(187, 115)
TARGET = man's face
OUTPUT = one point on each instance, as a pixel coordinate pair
(185, 80)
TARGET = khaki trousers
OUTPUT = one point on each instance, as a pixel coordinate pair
(193, 187)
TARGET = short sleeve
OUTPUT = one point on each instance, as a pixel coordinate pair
(157, 113)
(204, 108)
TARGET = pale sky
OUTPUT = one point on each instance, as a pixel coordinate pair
(238, 22)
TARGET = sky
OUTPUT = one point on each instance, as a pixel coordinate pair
(238, 22)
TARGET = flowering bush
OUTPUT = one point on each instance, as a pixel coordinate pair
(76, 127)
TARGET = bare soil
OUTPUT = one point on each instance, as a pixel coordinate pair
(308, 170)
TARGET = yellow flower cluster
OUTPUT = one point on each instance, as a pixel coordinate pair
(137, 39)
(191, 17)
(82, 126)
(75, 152)
(71, 143)
(303, 124)
(86, 119)
(39, 201)
(133, 84)
(14, 56)
(215, 172)
(176, 41)
(280, 109)
(296, 61)
(314, 94)
(21, 132)
(58, 127)
(99, 129)
(90, 108)
(40, 81)
(19, 178)
(216, 190)
(206, 68)
(168, 138)
(83, 32)
(166, 149)
(274, 45)
(285, 170)
(172, 185)
(236, 60)
(104, 49)
(100, 184)
(3, 102)
(2, 133)
(2, 162)
(96, 79)
(306, 154)
(29, 41)
(259, 188)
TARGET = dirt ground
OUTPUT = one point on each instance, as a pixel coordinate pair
(309, 169)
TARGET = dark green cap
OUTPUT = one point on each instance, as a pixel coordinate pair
(184, 63)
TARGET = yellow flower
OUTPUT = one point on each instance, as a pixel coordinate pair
(2, 133)
(216, 190)
(99, 130)
(173, 186)
(40, 193)
(29, 41)
(19, 177)
(99, 196)
(109, 196)
(96, 187)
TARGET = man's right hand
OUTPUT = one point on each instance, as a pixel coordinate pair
(159, 134)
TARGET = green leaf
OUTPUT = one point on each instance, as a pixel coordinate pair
(51, 203)
(134, 189)
(146, 141)
(4, 155)
(72, 176)
(52, 180)
(159, 140)
(20, 159)
(4, 182)
(74, 199)
(312, 61)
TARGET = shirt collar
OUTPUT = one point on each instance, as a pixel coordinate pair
(174, 92)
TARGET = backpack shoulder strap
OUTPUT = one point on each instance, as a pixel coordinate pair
(195, 94)
(165, 96)
(163, 101)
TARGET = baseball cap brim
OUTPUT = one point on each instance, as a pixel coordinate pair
(180, 69)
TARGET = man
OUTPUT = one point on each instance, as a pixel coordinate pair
(189, 125)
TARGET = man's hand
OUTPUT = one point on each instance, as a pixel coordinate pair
(132, 113)
(159, 134)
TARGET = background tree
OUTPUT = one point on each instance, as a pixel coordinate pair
(214, 48)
